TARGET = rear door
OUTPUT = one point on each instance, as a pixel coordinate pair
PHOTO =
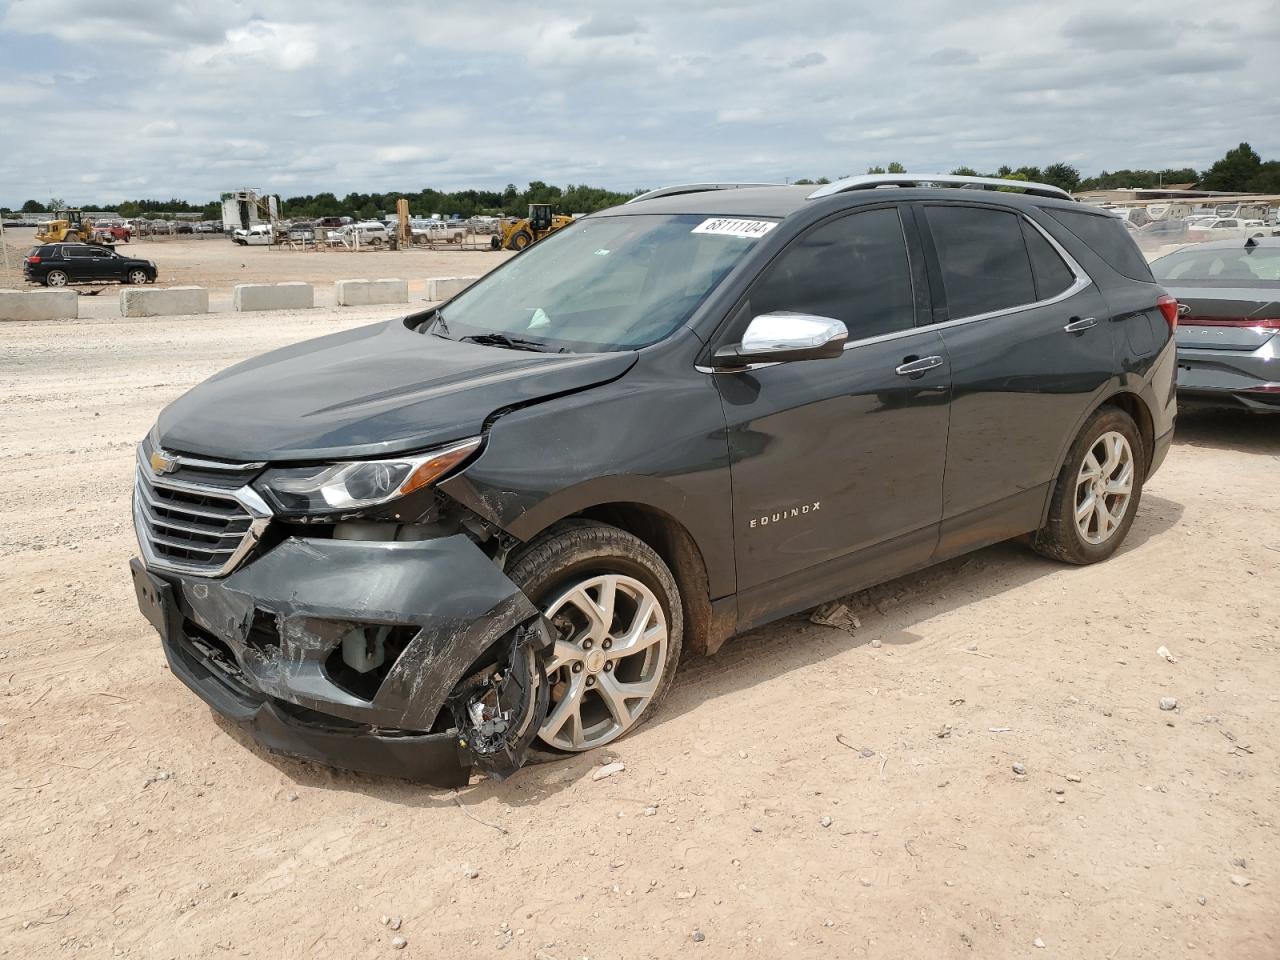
(1031, 348)
(837, 464)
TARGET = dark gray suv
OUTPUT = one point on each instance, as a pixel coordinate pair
(447, 541)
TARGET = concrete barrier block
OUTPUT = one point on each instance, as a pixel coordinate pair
(163, 301)
(39, 305)
(442, 288)
(360, 293)
(273, 296)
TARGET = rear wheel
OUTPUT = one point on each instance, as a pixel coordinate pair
(1098, 491)
(615, 612)
(55, 278)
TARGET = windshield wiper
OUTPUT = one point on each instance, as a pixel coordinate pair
(511, 343)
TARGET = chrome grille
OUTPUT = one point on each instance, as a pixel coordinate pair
(195, 528)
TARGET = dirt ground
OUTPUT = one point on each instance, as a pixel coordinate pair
(138, 824)
(217, 264)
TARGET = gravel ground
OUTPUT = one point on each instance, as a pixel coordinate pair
(138, 823)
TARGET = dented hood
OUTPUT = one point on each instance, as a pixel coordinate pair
(375, 390)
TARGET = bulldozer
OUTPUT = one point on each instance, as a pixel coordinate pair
(540, 223)
(70, 227)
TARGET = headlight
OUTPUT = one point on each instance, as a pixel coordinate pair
(361, 483)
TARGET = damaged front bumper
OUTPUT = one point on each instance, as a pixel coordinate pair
(349, 652)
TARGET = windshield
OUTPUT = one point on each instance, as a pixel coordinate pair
(603, 283)
(1236, 263)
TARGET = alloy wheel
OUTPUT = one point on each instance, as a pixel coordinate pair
(609, 659)
(1104, 486)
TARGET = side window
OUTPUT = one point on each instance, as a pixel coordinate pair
(854, 270)
(983, 259)
(75, 253)
(1052, 275)
(1106, 237)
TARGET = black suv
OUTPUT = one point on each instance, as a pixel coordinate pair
(442, 542)
(58, 264)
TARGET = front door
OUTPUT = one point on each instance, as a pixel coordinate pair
(1031, 347)
(837, 464)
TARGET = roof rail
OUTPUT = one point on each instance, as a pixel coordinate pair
(873, 180)
(697, 188)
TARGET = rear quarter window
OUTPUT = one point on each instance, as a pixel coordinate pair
(1106, 236)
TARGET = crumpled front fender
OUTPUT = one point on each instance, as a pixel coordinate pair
(311, 590)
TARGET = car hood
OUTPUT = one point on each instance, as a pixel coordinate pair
(375, 390)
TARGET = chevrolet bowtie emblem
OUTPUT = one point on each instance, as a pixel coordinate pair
(162, 463)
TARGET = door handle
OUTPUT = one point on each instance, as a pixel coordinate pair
(1081, 324)
(917, 366)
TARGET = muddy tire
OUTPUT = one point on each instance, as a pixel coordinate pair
(521, 240)
(619, 626)
(1097, 493)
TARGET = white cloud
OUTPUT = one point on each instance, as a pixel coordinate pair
(188, 98)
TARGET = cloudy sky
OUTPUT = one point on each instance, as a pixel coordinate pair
(116, 99)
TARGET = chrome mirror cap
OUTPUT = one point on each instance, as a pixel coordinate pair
(782, 331)
(782, 337)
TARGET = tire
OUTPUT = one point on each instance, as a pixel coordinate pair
(136, 277)
(495, 243)
(521, 240)
(564, 571)
(56, 278)
(1097, 535)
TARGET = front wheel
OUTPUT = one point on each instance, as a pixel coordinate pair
(55, 278)
(136, 276)
(1098, 491)
(521, 240)
(618, 624)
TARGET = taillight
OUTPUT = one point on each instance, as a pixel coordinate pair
(33, 259)
(1169, 307)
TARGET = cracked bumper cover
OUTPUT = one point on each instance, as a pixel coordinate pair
(456, 597)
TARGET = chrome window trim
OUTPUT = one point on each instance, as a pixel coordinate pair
(249, 500)
(1082, 282)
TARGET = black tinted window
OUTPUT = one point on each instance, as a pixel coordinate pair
(983, 259)
(1107, 237)
(1051, 272)
(76, 253)
(854, 269)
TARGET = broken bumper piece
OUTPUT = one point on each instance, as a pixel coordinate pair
(344, 652)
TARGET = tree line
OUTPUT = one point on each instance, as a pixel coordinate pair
(1241, 169)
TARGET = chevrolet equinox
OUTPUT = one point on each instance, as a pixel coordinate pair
(486, 532)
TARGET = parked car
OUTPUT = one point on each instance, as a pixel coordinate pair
(115, 232)
(301, 231)
(60, 264)
(371, 233)
(445, 231)
(258, 235)
(428, 544)
(1226, 227)
(332, 223)
(1229, 331)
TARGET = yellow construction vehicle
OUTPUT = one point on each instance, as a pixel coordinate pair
(70, 227)
(519, 234)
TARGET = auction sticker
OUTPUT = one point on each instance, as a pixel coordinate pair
(726, 227)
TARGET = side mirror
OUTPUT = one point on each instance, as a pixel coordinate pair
(781, 337)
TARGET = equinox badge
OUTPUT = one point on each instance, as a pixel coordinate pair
(786, 514)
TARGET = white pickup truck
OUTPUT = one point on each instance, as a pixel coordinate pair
(370, 233)
(443, 231)
(259, 235)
